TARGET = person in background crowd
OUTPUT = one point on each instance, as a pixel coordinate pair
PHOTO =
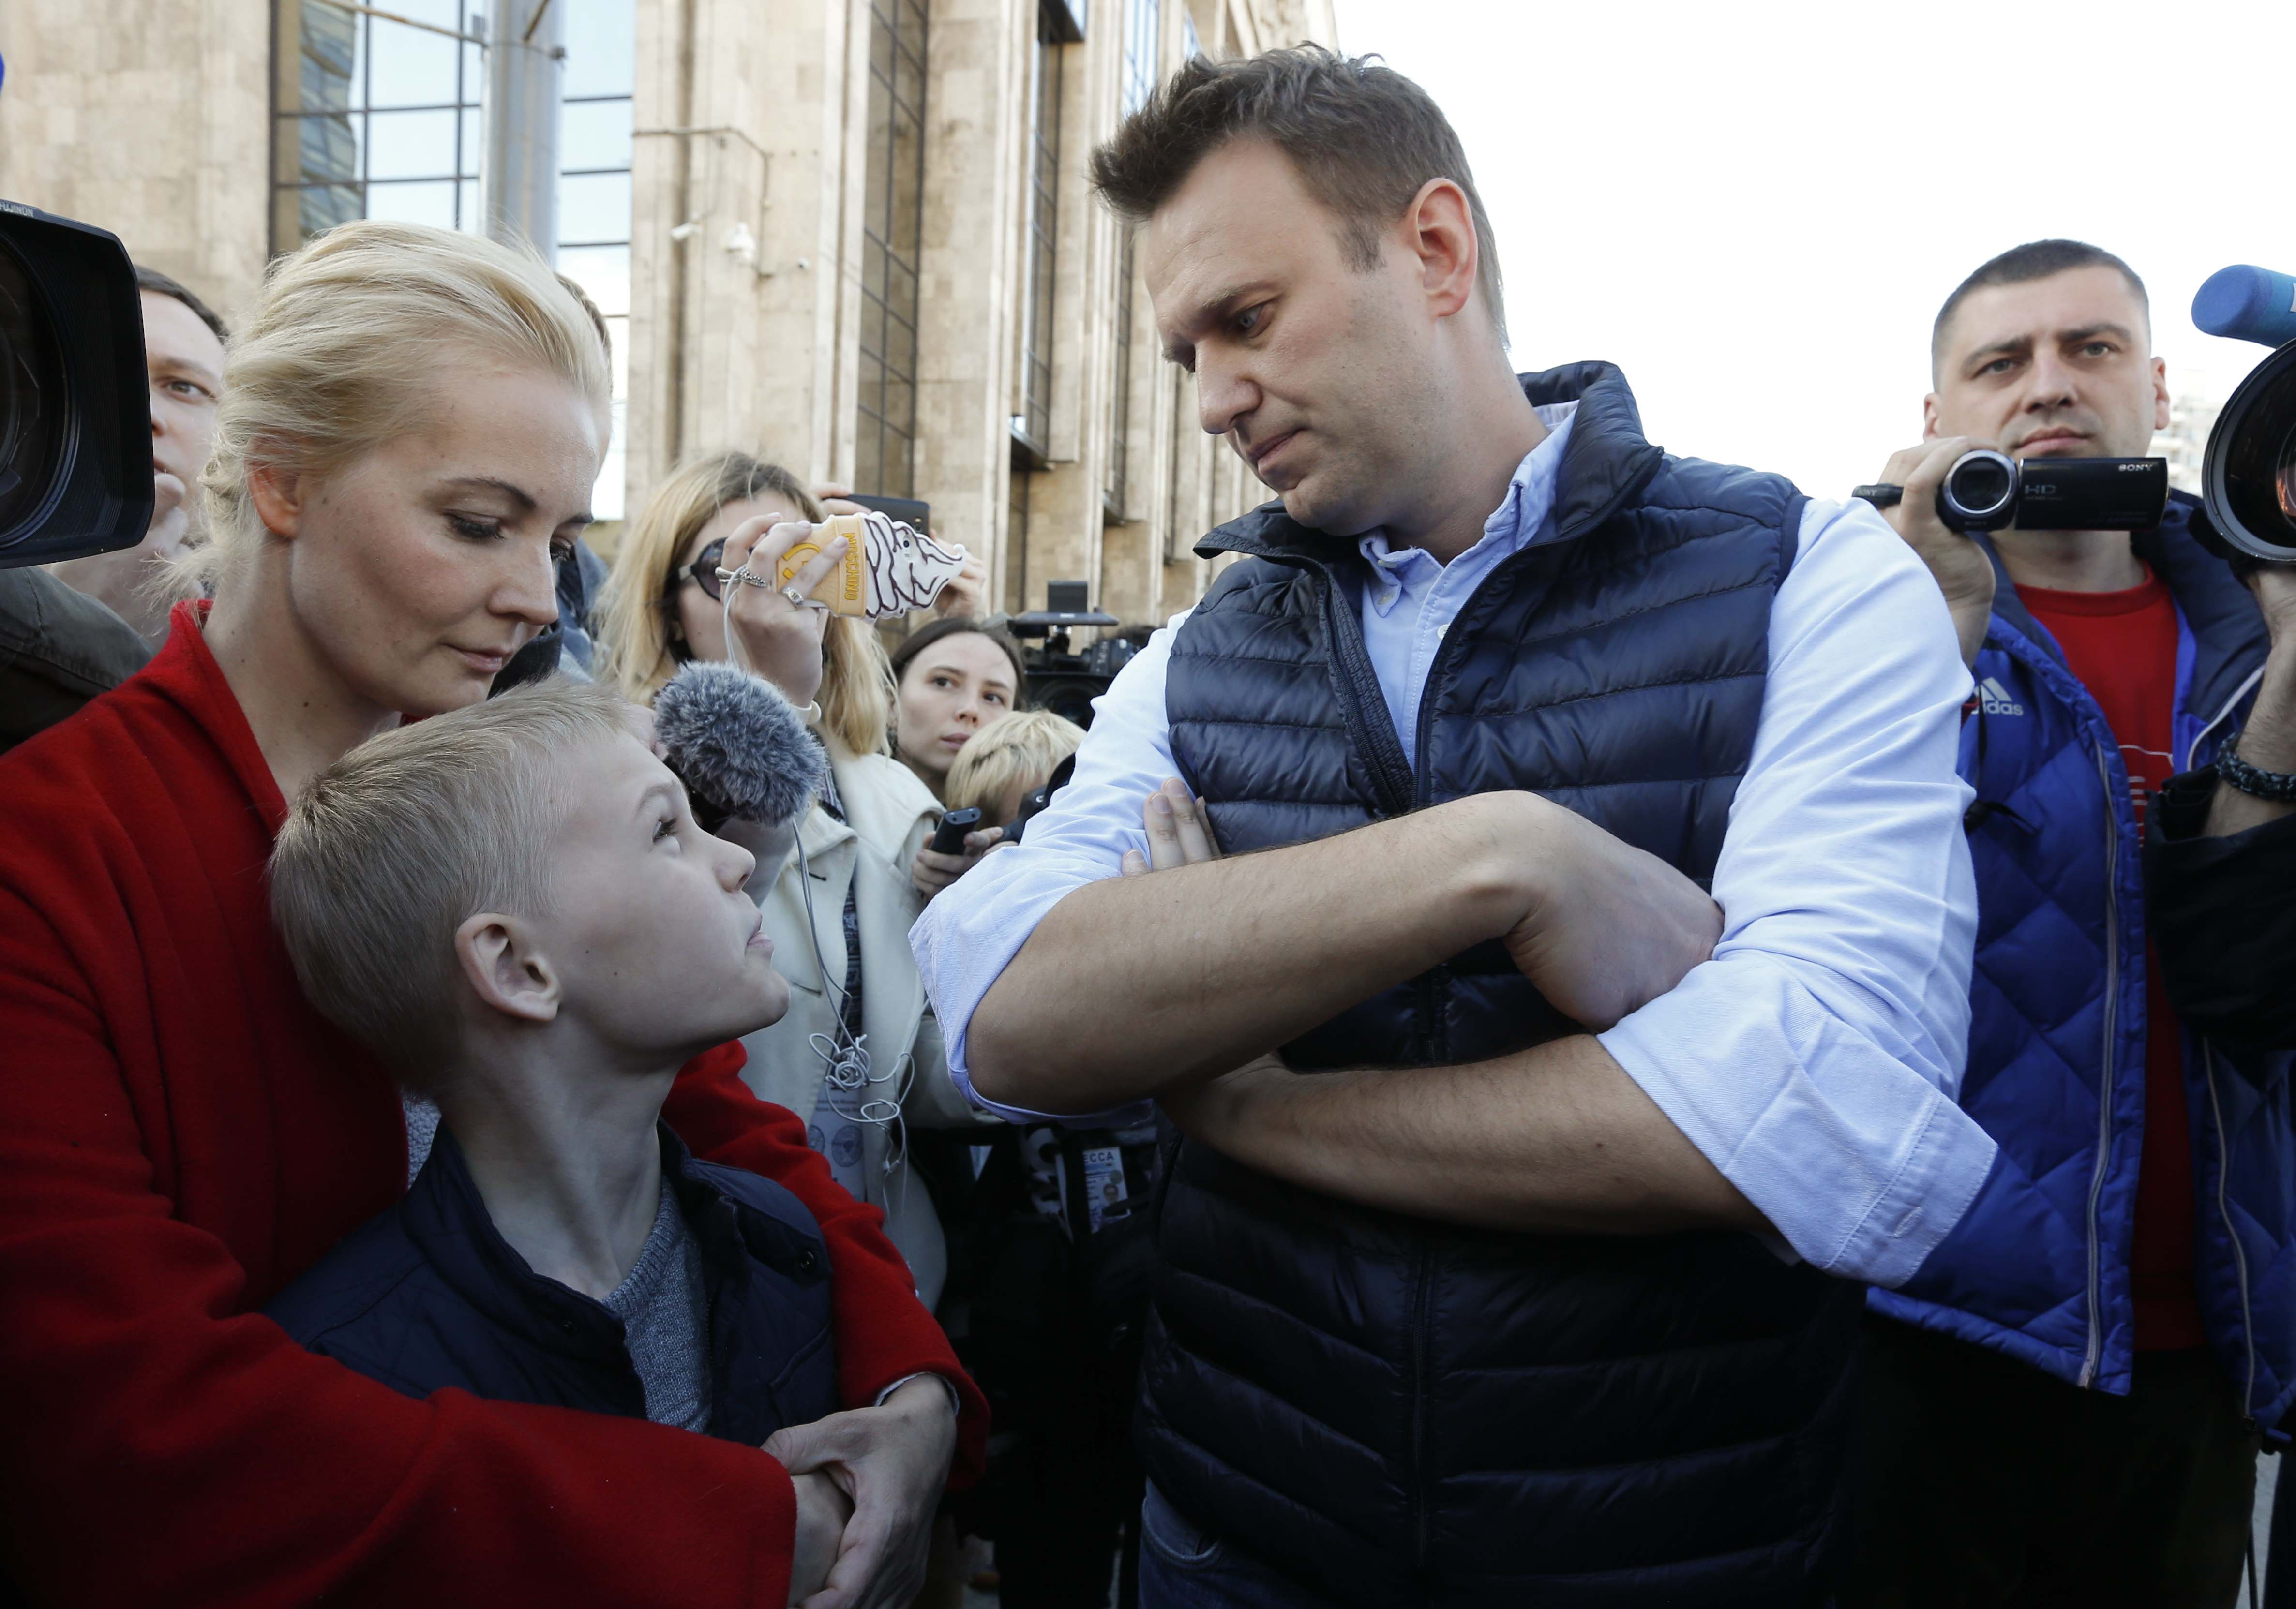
(953, 679)
(1006, 762)
(841, 931)
(59, 648)
(184, 353)
(1492, 1309)
(197, 1136)
(76, 629)
(1048, 1282)
(465, 896)
(2062, 1405)
(565, 648)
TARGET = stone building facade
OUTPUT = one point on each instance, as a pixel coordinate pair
(852, 234)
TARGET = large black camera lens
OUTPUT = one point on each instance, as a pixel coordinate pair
(1979, 492)
(31, 394)
(2249, 470)
(75, 395)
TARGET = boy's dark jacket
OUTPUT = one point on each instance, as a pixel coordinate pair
(428, 1295)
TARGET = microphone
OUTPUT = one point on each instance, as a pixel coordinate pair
(741, 750)
(2248, 304)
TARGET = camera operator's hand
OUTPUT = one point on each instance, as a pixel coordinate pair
(2267, 738)
(931, 872)
(782, 640)
(1611, 927)
(2275, 586)
(1961, 571)
(822, 1510)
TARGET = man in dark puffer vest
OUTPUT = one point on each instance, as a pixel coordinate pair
(1489, 1310)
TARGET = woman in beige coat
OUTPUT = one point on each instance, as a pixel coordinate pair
(859, 1054)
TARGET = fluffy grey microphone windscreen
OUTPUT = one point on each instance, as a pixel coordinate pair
(737, 744)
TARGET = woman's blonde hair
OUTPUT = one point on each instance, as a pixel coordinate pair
(1027, 743)
(342, 353)
(638, 613)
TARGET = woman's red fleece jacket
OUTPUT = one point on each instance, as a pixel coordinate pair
(181, 1135)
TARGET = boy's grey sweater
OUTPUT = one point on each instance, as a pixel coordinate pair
(664, 1308)
(662, 1302)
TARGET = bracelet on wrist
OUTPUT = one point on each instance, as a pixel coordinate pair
(2279, 787)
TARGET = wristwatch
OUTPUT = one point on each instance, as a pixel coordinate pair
(2277, 786)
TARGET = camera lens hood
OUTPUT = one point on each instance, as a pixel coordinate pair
(75, 395)
(2248, 472)
(1979, 492)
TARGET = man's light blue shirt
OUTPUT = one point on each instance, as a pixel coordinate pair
(1814, 1058)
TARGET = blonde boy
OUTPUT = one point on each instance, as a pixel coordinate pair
(512, 906)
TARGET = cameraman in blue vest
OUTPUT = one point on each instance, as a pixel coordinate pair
(2063, 1404)
(1574, 1017)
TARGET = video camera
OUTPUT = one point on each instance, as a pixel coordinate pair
(1060, 679)
(75, 401)
(1986, 490)
(2248, 470)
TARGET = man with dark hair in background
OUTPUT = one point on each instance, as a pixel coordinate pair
(2062, 1405)
(1502, 1275)
(182, 350)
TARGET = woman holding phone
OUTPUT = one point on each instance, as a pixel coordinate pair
(860, 1053)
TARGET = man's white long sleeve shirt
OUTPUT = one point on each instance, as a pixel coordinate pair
(1814, 1059)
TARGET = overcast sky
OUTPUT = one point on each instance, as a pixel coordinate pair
(1755, 209)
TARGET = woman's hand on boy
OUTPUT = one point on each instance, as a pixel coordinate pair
(823, 1509)
(932, 872)
(892, 1460)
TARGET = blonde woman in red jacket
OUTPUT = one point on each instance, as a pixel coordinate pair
(411, 425)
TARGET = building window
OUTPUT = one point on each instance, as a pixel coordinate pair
(892, 226)
(1032, 424)
(594, 195)
(1143, 19)
(380, 117)
(377, 117)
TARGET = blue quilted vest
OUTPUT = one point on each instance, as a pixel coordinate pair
(2038, 1268)
(1402, 1412)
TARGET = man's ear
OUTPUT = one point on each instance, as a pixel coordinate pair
(506, 969)
(2159, 394)
(1439, 227)
(278, 496)
(1929, 417)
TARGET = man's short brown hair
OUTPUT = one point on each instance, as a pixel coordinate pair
(1364, 138)
(2021, 264)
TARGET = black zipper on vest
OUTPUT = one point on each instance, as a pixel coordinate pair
(1362, 703)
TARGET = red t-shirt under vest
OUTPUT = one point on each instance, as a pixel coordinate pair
(2123, 647)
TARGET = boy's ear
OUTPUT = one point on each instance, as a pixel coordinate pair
(502, 965)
